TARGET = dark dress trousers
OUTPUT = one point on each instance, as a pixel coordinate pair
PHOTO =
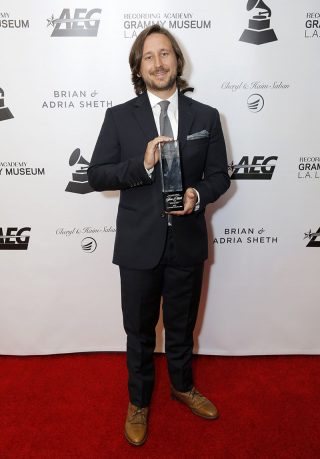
(156, 261)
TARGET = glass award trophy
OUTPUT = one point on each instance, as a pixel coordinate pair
(171, 176)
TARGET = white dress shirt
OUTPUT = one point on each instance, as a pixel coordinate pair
(173, 114)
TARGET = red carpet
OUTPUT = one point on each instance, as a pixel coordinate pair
(73, 406)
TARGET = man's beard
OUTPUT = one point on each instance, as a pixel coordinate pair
(164, 86)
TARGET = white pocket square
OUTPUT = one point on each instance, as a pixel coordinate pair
(198, 135)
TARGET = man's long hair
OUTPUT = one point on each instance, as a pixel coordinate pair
(135, 58)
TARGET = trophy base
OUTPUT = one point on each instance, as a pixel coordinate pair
(5, 114)
(259, 24)
(173, 200)
(258, 37)
(79, 188)
(80, 176)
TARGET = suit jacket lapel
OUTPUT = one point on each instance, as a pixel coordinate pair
(143, 112)
(144, 116)
(185, 118)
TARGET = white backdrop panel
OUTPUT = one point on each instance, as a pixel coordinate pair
(260, 289)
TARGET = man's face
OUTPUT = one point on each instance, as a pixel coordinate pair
(159, 64)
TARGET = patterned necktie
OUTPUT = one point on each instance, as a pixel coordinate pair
(165, 125)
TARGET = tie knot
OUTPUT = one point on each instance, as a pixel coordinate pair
(164, 104)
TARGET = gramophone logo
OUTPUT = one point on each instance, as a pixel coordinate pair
(255, 103)
(79, 183)
(260, 168)
(82, 24)
(314, 238)
(258, 31)
(5, 113)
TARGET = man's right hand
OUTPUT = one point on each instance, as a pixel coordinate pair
(151, 156)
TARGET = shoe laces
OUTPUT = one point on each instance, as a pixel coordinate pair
(196, 396)
(139, 416)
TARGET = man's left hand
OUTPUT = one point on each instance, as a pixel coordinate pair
(190, 199)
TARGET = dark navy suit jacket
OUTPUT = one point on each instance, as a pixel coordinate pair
(117, 164)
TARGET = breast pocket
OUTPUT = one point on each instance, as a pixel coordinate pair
(195, 150)
(197, 143)
(193, 158)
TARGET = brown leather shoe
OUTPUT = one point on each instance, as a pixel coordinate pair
(135, 428)
(197, 403)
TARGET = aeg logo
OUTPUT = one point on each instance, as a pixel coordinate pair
(80, 25)
(258, 169)
(314, 238)
(13, 238)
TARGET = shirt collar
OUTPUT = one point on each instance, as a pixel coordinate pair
(154, 100)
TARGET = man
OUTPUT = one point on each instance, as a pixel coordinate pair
(159, 255)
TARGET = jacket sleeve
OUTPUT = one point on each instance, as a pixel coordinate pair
(215, 179)
(106, 170)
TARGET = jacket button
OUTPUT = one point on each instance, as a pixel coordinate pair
(163, 214)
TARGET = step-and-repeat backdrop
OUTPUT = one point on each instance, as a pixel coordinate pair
(62, 64)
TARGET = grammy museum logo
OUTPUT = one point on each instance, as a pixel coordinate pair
(78, 23)
(309, 167)
(259, 31)
(20, 168)
(6, 22)
(79, 183)
(135, 22)
(5, 113)
(312, 25)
